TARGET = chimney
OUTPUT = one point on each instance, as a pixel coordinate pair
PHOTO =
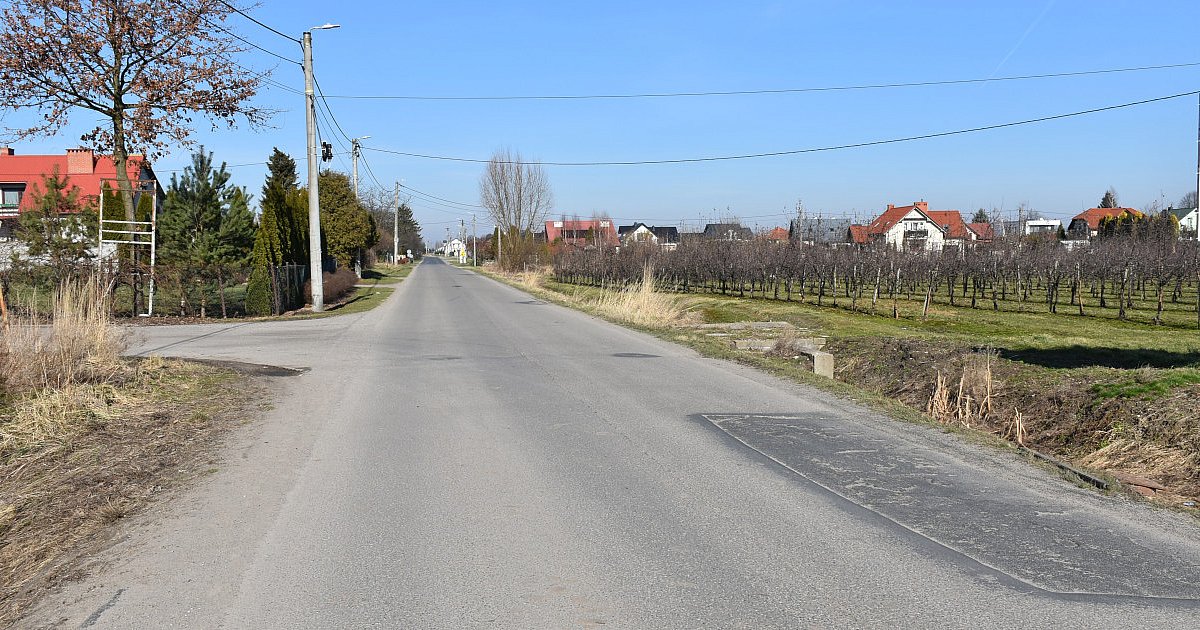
(80, 162)
(891, 206)
(923, 205)
(5, 150)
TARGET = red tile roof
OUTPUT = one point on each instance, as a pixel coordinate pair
(984, 231)
(81, 167)
(1094, 215)
(777, 234)
(952, 222)
(858, 235)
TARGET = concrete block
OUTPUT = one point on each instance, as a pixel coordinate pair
(822, 363)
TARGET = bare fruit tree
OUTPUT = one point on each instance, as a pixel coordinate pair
(516, 193)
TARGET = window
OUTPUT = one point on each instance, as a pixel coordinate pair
(10, 195)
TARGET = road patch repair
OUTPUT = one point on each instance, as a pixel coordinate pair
(955, 505)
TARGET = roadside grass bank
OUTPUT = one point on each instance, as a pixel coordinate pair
(1115, 397)
(88, 437)
(386, 274)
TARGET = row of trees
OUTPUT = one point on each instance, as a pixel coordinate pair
(1143, 272)
(208, 238)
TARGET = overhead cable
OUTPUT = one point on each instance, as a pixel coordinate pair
(853, 145)
(252, 19)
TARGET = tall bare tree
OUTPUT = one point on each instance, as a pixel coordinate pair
(516, 193)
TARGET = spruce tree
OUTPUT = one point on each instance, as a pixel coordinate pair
(206, 229)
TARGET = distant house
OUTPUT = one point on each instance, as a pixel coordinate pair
(665, 237)
(776, 235)
(1035, 227)
(454, 247)
(821, 231)
(904, 227)
(955, 231)
(22, 175)
(727, 232)
(984, 232)
(1086, 224)
(582, 233)
(1189, 221)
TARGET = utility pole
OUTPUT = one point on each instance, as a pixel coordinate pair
(314, 199)
(355, 151)
(1197, 214)
(474, 248)
(396, 230)
(462, 241)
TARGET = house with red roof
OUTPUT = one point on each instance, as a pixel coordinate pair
(582, 233)
(984, 232)
(22, 177)
(903, 227)
(914, 228)
(777, 235)
(1086, 224)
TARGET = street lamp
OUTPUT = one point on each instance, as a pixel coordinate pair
(314, 200)
(354, 152)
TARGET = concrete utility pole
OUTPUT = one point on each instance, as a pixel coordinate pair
(474, 248)
(1198, 169)
(354, 153)
(396, 230)
(314, 199)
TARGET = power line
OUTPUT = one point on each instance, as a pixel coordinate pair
(252, 19)
(835, 88)
(854, 145)
(248, 42)
(425, 194)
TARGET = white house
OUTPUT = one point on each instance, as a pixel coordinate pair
(1042, 226)
(903, 227)
(453, 248)
(1189, 221)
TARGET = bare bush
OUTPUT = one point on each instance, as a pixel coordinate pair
(335, 285)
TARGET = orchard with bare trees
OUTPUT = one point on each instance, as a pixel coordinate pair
(1139, 273)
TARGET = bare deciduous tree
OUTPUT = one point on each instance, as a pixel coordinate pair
(516, 193)
(145, 66)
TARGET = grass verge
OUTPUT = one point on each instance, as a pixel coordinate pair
(387, 274)
(77, 459)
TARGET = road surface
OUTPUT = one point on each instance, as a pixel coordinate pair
(467, 456)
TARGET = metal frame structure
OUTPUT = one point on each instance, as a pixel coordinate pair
(116, 232)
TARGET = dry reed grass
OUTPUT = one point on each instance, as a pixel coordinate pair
(971, 400)
(79, 345)
(643, 305)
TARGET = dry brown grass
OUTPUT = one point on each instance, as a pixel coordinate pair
(76, 460)
(80, 345)
(86, 437)
(643, 305)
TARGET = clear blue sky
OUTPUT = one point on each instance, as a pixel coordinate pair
(467, 48)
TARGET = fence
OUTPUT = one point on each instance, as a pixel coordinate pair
(287, 287)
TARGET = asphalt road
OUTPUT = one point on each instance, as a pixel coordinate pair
(467, 456)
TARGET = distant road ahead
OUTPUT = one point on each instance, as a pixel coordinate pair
(467, 456)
